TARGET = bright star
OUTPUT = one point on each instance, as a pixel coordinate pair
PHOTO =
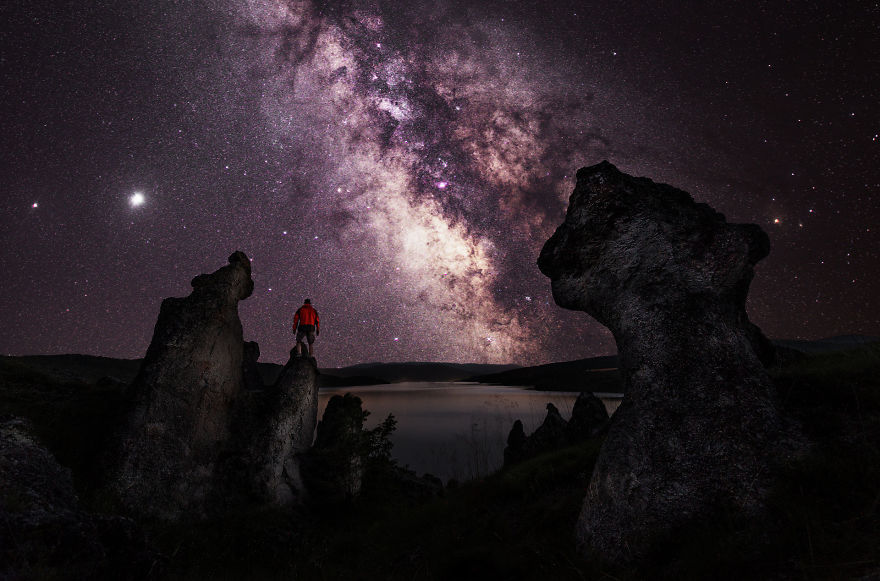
(35, 205)
(136, 199)
(441, 185)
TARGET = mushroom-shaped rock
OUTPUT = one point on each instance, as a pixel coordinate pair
(698, 425)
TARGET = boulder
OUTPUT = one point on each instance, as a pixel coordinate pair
(202, 431)
(698, 426)
(44, 533)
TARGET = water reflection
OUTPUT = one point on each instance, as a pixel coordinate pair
(455, 430)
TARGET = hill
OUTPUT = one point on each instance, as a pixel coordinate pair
(596, 374)
(418, 371)
(828, 344)
(84, 368)
(600, 374)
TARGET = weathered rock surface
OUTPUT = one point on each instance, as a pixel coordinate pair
(278, 429)
(43, 531)
(698, 427)
(202, 430)
(588, 417)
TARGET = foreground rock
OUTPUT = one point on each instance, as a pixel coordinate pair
(202, 431)
(698, 428)
(43, 531)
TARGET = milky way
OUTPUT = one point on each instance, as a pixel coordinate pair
(402, 163)
(428, 155)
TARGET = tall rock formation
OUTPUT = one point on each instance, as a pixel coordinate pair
(202, 431)
(697, 430)
(278, 425)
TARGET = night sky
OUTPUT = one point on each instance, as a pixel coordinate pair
(402, 163)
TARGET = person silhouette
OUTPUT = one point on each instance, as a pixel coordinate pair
(306, 326)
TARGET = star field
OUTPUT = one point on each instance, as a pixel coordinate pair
(402, 163)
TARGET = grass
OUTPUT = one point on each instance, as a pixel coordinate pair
(518, 523)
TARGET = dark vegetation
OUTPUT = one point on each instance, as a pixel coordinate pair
(516, 524)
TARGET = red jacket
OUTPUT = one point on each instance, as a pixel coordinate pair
(306, 315)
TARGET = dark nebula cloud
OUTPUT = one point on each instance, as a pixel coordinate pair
(401, 163)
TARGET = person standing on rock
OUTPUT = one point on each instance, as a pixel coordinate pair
(306, 325)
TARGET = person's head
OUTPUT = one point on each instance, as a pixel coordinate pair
(308, 301)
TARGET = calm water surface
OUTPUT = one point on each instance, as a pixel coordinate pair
(455, 430)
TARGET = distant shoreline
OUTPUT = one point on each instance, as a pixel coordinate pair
(596, 374)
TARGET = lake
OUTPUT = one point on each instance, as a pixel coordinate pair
(455, 430)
